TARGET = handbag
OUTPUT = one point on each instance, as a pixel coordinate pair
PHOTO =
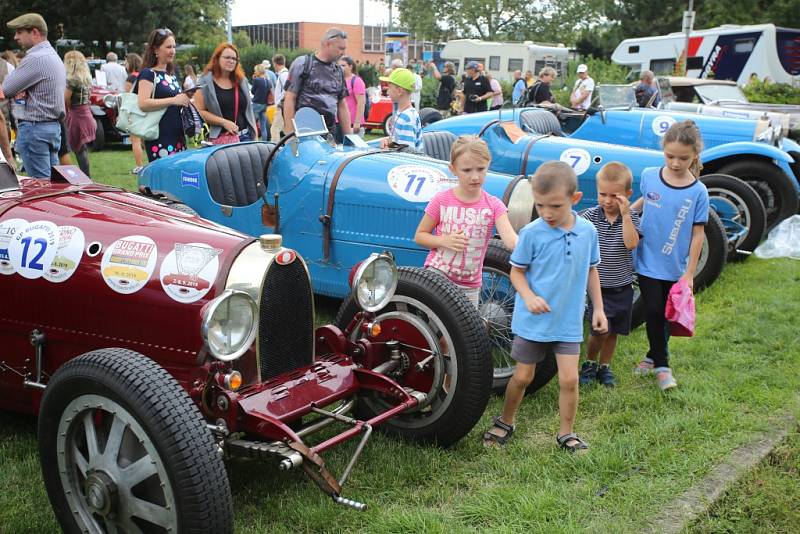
(134, 121)
(226, 137)
(680, 313)
(191, 121)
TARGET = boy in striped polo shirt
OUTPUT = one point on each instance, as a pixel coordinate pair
(407, 129)
(618, 232)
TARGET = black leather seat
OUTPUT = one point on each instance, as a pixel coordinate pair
(234, 173)
(541, 121)
(438, 144)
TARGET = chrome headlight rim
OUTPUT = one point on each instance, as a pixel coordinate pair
(110, 100)
(208, 314)
(365, 267)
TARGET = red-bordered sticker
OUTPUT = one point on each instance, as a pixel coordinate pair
(286, 256)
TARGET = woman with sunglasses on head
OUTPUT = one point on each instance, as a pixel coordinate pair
(224, 98)
(158, 71)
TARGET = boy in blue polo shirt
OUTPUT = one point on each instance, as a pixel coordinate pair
(554, 261)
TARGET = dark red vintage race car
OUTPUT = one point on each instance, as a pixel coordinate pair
(152, 344)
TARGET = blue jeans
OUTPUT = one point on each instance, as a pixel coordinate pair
(37, 144)
(263, 122)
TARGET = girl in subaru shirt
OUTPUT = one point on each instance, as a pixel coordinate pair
(672, 225)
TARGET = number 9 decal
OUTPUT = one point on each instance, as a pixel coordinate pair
(578, 159)
(661, 124)
(33, 248)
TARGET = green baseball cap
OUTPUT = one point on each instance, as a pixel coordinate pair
(27, 21)
(401, 78)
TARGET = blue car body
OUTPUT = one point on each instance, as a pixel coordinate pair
(725, 139)
(378, 200)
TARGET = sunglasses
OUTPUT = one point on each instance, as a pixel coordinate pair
(343, 35)
(164, 32)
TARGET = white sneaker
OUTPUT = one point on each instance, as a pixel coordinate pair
(665, 379)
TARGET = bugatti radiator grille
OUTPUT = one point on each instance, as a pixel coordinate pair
(286, 327)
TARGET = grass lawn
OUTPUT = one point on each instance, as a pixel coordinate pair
(766, 500)
(740, 371)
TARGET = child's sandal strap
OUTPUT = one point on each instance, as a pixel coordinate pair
(500, 440)
(579, 445)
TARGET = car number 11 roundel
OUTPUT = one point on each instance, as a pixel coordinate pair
(418, 184)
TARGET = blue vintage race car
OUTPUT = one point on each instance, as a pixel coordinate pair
(771, 170)
(335, 206)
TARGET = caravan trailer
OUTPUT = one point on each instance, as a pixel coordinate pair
(728, 52)
(502, 59)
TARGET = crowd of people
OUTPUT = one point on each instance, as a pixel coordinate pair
(556, 260)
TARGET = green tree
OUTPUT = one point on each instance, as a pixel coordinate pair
(100, 24)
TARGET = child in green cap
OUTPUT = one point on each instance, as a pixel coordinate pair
(404, 126)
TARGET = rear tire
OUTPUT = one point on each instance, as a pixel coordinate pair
(736, 201)
(457, 381)
(773, 186)
(99, 137)
(497, 306)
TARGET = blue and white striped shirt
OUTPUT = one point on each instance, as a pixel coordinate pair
(408, 128)
(42, 76)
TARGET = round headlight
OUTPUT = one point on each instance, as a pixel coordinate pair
(229, 324)
(110, 101)
(375, 282)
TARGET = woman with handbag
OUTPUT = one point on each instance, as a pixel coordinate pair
(224, 98)
(158, 89)
(81, 126)
(133, 64)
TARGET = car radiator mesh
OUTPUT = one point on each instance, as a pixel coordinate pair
(286, 326)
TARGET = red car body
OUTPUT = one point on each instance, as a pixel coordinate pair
(94, 283)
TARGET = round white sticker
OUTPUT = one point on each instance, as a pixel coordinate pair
(577, 158)
(188, 272)
(8, 229)
(32, 249)
(68, 254)
(129, 263)
(661, 124)
(418, 184)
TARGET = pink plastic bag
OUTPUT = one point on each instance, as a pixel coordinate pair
(680, 310)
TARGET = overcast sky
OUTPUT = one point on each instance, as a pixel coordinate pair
(247, 12)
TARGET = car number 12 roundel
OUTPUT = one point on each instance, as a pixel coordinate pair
(418, 184)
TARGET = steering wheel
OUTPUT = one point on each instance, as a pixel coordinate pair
(270, 157)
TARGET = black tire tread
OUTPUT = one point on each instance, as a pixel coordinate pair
(176, 426)
(758, 213)
(471, 343)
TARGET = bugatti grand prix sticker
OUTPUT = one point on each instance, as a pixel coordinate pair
(68, 254)
(418, 184)
(32, 249)
(286, 256)
(7, 231)
(661, 124)
(577, 158)
(129, 263)
(189, 271)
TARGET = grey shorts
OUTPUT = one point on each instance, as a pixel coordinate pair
(525, 351)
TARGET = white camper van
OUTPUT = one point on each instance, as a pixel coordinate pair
(502, 59)
(729, 52)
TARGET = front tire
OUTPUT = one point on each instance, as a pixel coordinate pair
(734, 200)
(123, 448)
(497, 306)
(773, 186)
(432, 316)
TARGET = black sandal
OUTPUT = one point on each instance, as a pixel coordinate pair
(489, 438)
(579, 445)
